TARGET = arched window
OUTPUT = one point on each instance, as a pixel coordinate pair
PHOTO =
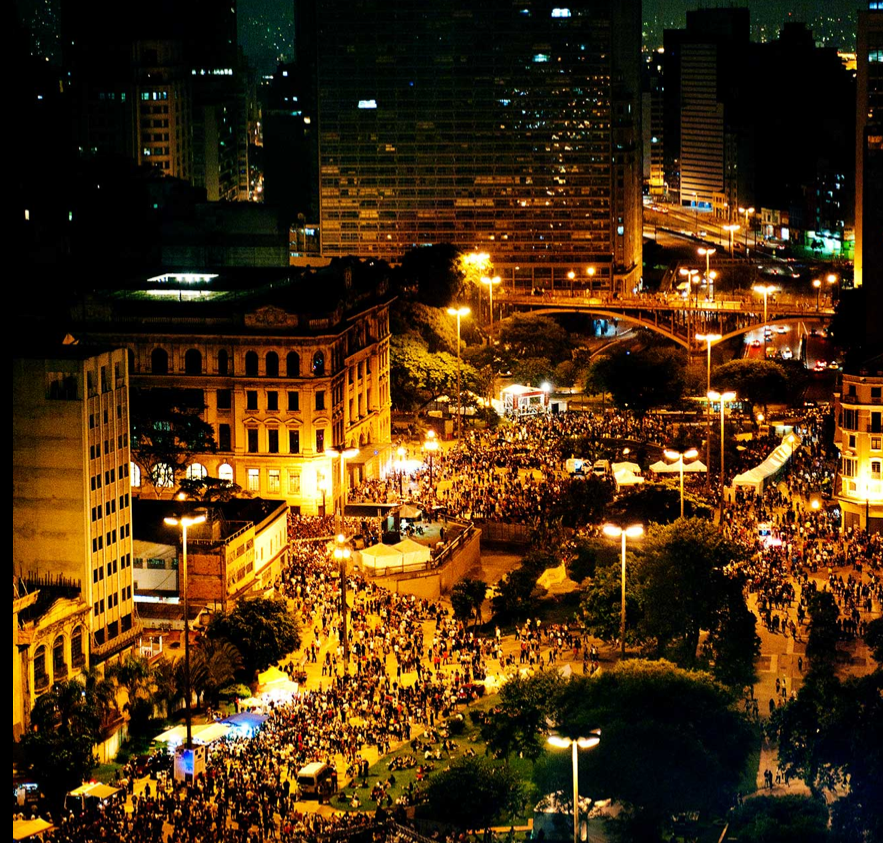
(271, 362)
(251, 364)
(292, 364)
(196, 471)
(319, 364)
(135, 474)
(225, 472)
(223, 362)
(78, 653)
(193, 362)
(41, 677)
(59, 663)
(159, 361)
(162, 475)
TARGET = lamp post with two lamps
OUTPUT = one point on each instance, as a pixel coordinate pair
(680, 456)
(633, 532)
(731, 229)
(575, 744)
(707, 252)
(343, 454)
(185, 522)
(765, 290)
(459, 312)
(724, 398)
(709, 340)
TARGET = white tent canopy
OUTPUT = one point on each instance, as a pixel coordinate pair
(755, 477)
(380, 557)
(663, 467)
(24, 829)
(409, 512)
(414, 554)
(203, 733)
(626, 474)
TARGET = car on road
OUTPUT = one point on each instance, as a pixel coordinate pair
(820, 366)
(787, 354)
(782, 329)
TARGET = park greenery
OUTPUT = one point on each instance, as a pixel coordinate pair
(167, 431)
(685, 752)
(262, 631)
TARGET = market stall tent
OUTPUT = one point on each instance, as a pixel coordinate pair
(378, 558)
(415, 556)
(27, 829)
(755, 477)
(663, 467)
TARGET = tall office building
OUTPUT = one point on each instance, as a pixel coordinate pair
(514, 129)
(869, 153)
(703, 66)
(71, 506)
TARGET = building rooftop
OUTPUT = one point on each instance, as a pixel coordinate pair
(307, 300)
(225, 519)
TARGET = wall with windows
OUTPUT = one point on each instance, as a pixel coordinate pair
(276, 403)
(71, 483)
(859, 436)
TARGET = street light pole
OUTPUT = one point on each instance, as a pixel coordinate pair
(491, 283)
(817, 283)
(430, 446)
(723, 397)
(343, 454)
(574, 744)
(680, 456)
(459, 312)
(708, 339)
(184, 522)
(764, 290)
(633, 532)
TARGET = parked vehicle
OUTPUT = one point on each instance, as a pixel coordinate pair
(317, 781)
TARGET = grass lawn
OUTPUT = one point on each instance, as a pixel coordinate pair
(106, 772)
(470, 738)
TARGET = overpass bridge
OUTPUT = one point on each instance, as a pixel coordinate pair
(670, 314)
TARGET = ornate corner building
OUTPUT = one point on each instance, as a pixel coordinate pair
(287, 363)
(859, 436)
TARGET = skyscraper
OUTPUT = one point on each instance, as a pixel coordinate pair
(71, 507)
(869, 146)
(514, 129)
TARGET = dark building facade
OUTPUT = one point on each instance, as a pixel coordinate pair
(510, 129)
(705, 84)
(869, 151)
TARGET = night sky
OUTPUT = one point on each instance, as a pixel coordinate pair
(832, 21)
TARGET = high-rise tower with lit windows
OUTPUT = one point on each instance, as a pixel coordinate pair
(513, 128)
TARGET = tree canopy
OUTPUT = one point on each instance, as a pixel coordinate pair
(261, 629)
(167, 432)
(753, 381)
(526, 335)
(473, 792)
(686, 751)
(435, 270)
(679, 582)
(417, 375)
(65, 726)
(638, 381)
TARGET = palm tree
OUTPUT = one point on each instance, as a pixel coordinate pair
(214, 664)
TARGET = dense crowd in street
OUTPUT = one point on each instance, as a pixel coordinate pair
(407, 663)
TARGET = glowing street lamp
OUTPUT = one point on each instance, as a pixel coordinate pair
(747, 212)
(430, 445)
(817, 283)
(709, 340)
(680, 456)
(724, 398)
(400, 466)
(765, 290)
(731, 230)
(184, 522)
(590, 271)
(707, 252)
(459, 312)
(633, 532)
(341, 555)
(491, 283)
(575, 744)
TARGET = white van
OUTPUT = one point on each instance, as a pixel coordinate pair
(317, 781)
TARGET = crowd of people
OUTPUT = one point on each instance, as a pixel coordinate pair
(395, 667)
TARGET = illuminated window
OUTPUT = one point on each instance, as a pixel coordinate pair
(196, 471)
(560, 13)
(293, 483)
(274, 483)
(135, 474)
(254, 480)
(225, 472)
(319, 364)
(163, 476)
